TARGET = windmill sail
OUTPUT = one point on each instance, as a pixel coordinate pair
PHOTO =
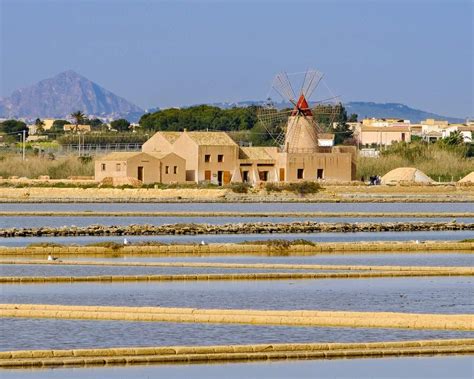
(299, 128)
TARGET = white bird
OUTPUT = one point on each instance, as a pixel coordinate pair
(51, 258)
(417, 241)
(125, 241)
(203, 243)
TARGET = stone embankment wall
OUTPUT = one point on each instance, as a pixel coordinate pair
(236, 228)
(229, 353)
(245, 316)
(238, 249)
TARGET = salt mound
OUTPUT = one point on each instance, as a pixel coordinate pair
(407, 175)
(469, 178)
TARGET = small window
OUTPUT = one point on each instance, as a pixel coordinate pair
(300, 173)
(117, 167)
(220, 158)
(167, 169)
(207, 158)
(175, 169)
(102, 166)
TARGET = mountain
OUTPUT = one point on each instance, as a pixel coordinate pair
(363, 110)
(393, 110)
(67, 92)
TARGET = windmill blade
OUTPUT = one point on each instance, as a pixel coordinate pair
(281, 84)
(311, 81)
(273, 120)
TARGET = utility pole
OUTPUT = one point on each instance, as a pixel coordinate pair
(23, 142)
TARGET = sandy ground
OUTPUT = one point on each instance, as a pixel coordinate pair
(329, 194)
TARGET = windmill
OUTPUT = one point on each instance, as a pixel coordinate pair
(296, 129)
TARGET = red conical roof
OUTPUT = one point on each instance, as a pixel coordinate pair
(302, 107)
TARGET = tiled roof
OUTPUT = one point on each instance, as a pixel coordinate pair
(119, 156)
(211, 138)
(170, 136)
(254, 153)
(124, 155)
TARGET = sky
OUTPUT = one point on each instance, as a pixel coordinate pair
(162, 54)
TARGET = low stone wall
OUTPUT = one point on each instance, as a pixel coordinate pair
(244, 316)
(229, 353)
(233, 276)
(239, 249)
(235, 228)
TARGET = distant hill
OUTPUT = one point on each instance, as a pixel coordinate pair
(364, 110)
(393, 110)
(63, 94)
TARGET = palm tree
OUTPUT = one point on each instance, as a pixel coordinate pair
(39, 126)
(78, 117)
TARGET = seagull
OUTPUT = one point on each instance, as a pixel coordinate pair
(125, 241)
(51, 258)
(202, 242)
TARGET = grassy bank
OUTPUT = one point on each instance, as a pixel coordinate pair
(435, 161)
(34, 166)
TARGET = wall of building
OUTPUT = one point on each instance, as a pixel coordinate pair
(157, 143)
(331, 166)
(228, 165)
(383, 137)
(106, 169)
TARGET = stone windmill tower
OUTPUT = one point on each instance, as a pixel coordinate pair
(298, 127)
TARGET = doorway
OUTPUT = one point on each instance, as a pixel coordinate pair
(219, 177)
(140, 173)
(320, 173)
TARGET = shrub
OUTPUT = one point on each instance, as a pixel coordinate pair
(273, 187)
(304, 188)
(240, 187)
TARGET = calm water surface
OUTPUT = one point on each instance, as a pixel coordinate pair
(372, 259)
(241, 207)
(74, 270)
(456, 367)
(21, 334)
(419, 295)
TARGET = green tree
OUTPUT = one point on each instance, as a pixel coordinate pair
(342, 132)
(39, 126)
(120, 125)
(454, 139)
(79, 118)
(12, 128)
(353, 117)
(58, 125)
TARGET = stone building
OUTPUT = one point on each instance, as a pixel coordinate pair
(216, 158)
(148, 168)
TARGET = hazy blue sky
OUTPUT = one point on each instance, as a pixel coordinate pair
(163, 54)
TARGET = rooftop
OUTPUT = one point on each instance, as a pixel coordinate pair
(254, 153)
(211, 138)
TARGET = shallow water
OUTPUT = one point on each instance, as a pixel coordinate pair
(24, 334)
(241, 207)
(236, 238)
(75, 270)
(447, 295)
(453, 367)
(372, 259)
